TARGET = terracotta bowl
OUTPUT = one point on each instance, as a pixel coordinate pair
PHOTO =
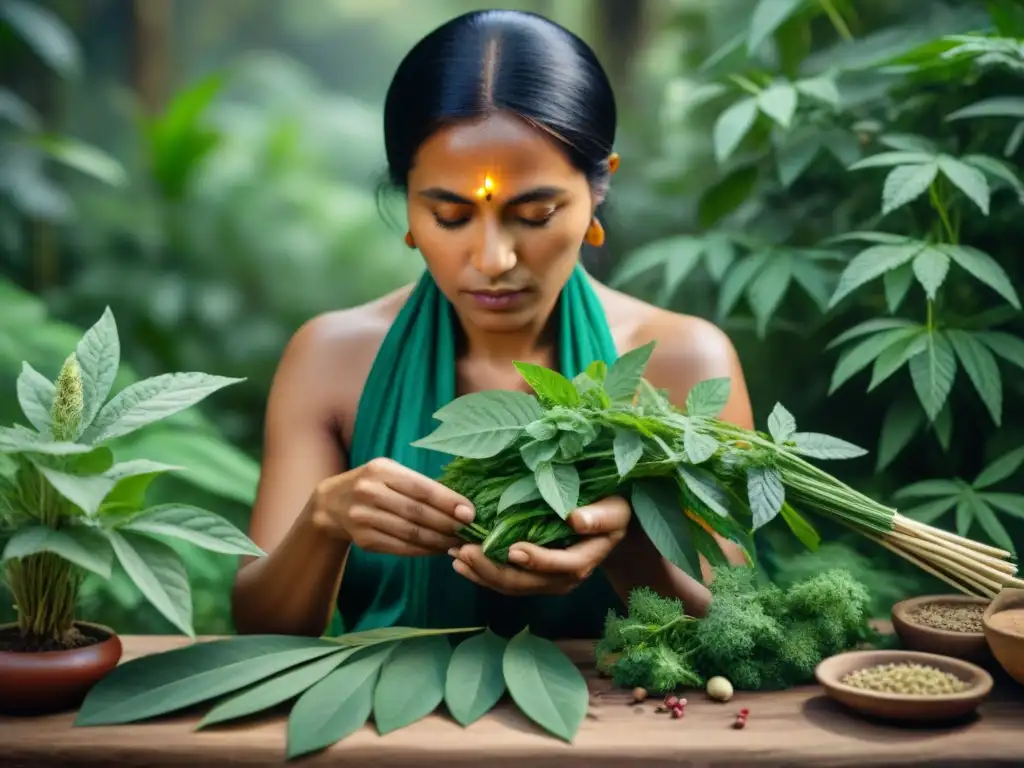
(1007, 646)
(901, 706)
(970, 646)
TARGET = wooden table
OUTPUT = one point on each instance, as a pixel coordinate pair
(799, 727)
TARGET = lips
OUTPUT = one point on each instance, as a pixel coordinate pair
(503, 299)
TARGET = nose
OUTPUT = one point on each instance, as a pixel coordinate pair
(494, 254)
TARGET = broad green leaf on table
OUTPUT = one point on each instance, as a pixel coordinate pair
(980, 365)
(781, 424)
(906, 183)
(896, 355)
(818, 446)
(698, 446)
(767, 17)
(475, 681)
(805, 533)
(151, 400)
(338, 705)
(860, 356)
(872, 263)
(902, 421)
(159, 574)
(625, 374)
(197, 526)
(707, 398)
(657, 507)
(550, 386)
(930, 268)
(522, 490)
(933, 372)
(158, 684)
(276, 690)
(732, 126)
(705, 487)
(481, 424)
(778, 102)
(765, 294)
(628, 447)
(968, 179)
(99, 355)
(546, 686)
(984, 269)
(765, 493)
(411, 683)
(869, 327)
(389, 634)
(559, 485)
(78, 545)
(35, 396)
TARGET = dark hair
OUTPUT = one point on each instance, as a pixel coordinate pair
(486, 61)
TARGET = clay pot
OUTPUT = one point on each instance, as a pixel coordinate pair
(44, 682)
(969, 646)
(1007, 647)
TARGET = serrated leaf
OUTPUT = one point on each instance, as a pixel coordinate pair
(998, 169)
(99, 356)
(628, 447)
(475, 680)
(985, 269)
(732, 126)
(546, 686)
(195, 525)
(625, 373)
(778, 101)
(481, 424)
(707, 398)
(158, 573)
(657, 507)
(890, 159)
(765, 494)
(857, 358)
(906, 183)
(548, 384)
(1000, 469)
(80, 546)
(933, 372)
(930, 268)
(896, 356)
(896, 284)
(981, 367)
(698, 446)
(871, 264)
(151, 400)
(705, 487)
(519, 492)
(35, 396)
(781, 424)
(819, 446)
(411, 683)
(968, 180)
(559, 485)
(869, 327)
(902, 421)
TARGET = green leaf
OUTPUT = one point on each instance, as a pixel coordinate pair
(276, 690)
(337, 706)
(705, 487)
(778, 101)
(699, 447)
(35, 396)
(628, 447)
(99, 356)
(930, 268)
(1000, 106)
(902, 421)
(737, 279)
(818, 446)
(732, 126)
(872, 263)
(625, 373)
(906, 183)
(724, 197)
(821, 88)
(161, 683)
(81, 157)
(781, 424)
(933, 372)
(84, 491)
(707, 398)
(538, 451)
(1007, 346)
(197, 526)
(985, 269)
(559, 485)
(683, 250)
(657, 507)
(896, 284)
(795, 156)
(998, 170)
(521, 491)
(481, 424)
(1000, 469)
(930, 511)
(158, 573)
(869, 327)
(968, 180)
(368, 637)
(896, 356)
(12, 441)
(929, 488)
(767, 17)
(1008, 503)
(475, 681)
(78, 545)
(890, 159)
(45, 33)
(411, 683)
(982, 369)
(857, 358)
(805, 533)
(548, 384)
(990, 523)
(546, 686)
(151, 400)
(943, 427)
(765, 494)
(765, 294)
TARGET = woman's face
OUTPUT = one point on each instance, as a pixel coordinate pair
(502, 262)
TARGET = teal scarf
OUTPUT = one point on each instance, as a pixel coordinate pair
(412, 377)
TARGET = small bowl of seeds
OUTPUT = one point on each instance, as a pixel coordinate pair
(909, 686)
(949, 625)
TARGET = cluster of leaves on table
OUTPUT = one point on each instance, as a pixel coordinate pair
(867, 188)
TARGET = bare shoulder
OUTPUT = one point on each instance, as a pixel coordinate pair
(688, 349)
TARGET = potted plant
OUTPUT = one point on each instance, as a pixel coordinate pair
(68, 508)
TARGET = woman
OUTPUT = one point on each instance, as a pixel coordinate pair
(499, 128)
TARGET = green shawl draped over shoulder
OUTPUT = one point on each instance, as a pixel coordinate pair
(412, 377)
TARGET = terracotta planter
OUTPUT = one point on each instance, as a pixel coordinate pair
(44, 682)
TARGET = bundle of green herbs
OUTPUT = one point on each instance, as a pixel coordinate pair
(527, 461)
(759, 637)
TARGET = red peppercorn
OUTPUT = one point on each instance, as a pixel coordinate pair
(744, 712)
(677, 712)
(671, 702)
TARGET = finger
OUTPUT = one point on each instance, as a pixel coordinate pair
(604, 516)
(379, 541)
(410, 483)
(413, 510)
(464, 570)
(397, 527)
(507, 578)
(577, 561)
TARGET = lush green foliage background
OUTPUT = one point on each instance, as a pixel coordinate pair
(217, 215)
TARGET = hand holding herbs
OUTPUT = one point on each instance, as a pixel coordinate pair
(527, 462)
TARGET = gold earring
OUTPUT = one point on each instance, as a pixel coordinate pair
(409, 241)
(613, 162)
(595, 233)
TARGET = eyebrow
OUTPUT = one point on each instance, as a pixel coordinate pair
(530, 196)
